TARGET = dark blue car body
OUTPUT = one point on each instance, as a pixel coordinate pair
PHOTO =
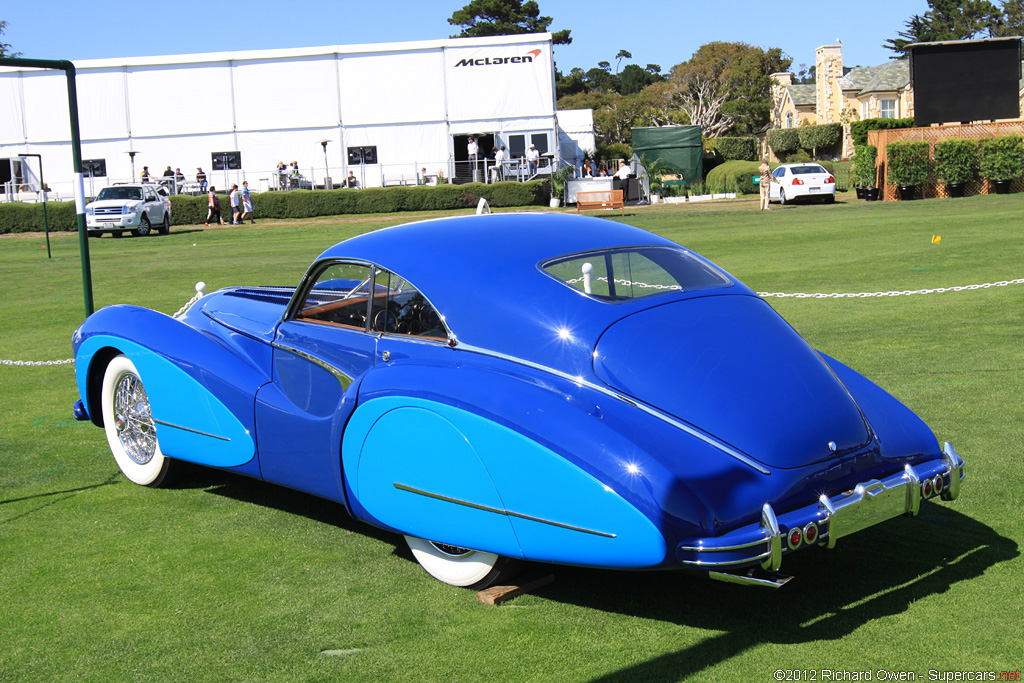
(523, 414)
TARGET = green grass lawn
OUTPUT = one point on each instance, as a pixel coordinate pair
(222, 578)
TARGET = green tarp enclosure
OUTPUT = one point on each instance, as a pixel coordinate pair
(677, 146)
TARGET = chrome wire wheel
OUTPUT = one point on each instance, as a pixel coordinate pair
(129, 426)
(134, 419)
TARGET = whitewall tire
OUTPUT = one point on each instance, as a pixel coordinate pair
(128, 423)
(461, 566)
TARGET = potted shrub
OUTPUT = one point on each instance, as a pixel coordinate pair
(1001, 160)
(654, 170)
(955, 161)
(865, 172)
(908, 166)
(558, 180)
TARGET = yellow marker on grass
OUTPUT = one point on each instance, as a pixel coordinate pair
(936, 239)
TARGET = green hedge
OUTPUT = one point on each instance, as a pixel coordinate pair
(187, 210)
(859, 129)
(734, 176)
(737, 149)
(784, 140)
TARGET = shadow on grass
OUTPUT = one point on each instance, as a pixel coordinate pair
(874, 574)
(877, 573)
(52, 498)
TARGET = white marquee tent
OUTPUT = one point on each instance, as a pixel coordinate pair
(413, 104)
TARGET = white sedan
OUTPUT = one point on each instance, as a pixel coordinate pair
(796, 181)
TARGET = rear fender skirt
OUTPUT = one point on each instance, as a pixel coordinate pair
(435, 471)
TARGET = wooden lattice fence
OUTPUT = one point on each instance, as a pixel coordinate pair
(934, 134)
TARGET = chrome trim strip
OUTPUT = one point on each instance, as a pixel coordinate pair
(607, 391)
(342, 378)
(193, 431)
(508, 513)
(727, 563)
(722, 549)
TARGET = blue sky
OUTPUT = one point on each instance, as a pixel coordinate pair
(664, 32)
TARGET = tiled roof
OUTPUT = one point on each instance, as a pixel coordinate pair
(802, 95)
(888, 77)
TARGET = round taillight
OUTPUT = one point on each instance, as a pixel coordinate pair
(937, 483)
(811, 532)
(927, 487)
(795, 538)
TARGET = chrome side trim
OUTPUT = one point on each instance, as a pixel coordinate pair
(766, 555)
(342, 378)
(193, 431)
(607, 391)
(499, 511)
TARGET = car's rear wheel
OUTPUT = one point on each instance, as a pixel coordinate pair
(782, 196)
(143, 229)
(128, 424)
(117, 233)
(830, 198)
(462, 567)
(165, 227)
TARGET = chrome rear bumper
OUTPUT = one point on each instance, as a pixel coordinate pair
(763, 544)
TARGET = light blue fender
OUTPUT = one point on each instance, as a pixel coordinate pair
(191, 423)
(431, 470)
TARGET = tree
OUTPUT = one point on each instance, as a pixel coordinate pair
(634, 79)
(623, 54)
(727, 86)
(504, 18)
(949, 20)
(5, 48)
(1012, 21)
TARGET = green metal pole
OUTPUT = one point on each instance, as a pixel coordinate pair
(76, 154)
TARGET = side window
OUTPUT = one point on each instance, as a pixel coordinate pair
(779, 172)
(339, 296)
(405, 309)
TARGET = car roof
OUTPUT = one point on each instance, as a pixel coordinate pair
(483, 274)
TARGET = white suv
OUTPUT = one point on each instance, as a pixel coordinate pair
(129, 206)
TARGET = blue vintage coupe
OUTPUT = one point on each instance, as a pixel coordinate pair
(509, 387)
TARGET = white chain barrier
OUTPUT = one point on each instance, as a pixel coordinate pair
(905, 292)
(200, 293)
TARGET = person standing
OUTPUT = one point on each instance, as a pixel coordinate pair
(473, 150)
(499, 163)
(145, 174)
(532, 158)
(213, 206)
(246, 204)
(766, 184)
(201, 179)
(233, 200)
(179, 180)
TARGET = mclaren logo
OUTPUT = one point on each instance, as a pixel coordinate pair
(498, 61)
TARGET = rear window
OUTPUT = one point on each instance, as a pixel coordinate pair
(810, 168)
(633, 273)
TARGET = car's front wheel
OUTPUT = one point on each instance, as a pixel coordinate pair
(462, 567)
(143, 229)
(128, 424)
(165, 227)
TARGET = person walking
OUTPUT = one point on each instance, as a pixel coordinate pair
(233, 199)
(213, 207)
(246, 204)
(766, 183)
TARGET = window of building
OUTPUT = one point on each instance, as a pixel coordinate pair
(789, 119)
(887, 109)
